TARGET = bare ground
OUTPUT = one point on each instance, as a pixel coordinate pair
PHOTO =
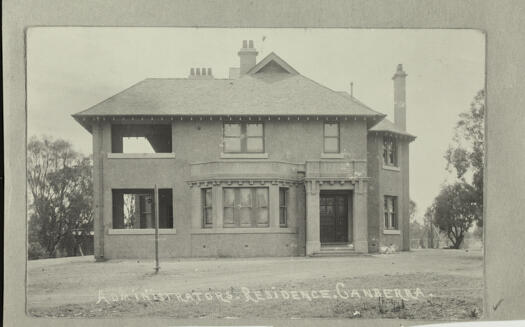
(450, 282)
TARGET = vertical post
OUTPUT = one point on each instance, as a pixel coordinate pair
(156, 200)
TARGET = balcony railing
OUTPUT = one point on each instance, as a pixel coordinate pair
(335, 169)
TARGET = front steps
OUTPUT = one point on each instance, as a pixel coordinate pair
(336, 250)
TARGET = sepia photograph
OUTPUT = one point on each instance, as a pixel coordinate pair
(238, 173)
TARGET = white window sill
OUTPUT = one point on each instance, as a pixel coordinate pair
(391, 231)
(241, 230)
(141, 231)
(244, 155)
(141, 155)
(392, 168)
(332, 156)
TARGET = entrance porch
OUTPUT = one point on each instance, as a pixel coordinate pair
(336, 216)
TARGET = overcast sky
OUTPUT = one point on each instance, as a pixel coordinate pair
(72, 69)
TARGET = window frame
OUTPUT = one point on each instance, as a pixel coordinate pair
(390, 151)
(205, 206)
(243, 137)
(284, 206)
(391, 221)
(338, 137)
(236, 206)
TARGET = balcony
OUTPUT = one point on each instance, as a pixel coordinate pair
(335, 169)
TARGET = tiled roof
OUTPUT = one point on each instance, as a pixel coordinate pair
(258, 94)
(275, 93)
(387, 126)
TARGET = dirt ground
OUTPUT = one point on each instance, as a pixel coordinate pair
(441, 284)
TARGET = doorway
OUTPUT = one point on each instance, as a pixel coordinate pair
(334, 217)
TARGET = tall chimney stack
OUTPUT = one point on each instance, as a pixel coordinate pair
(400, 111)
(248, 56)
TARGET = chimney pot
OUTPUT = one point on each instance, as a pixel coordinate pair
(250, 44)
(203, 70)
(198, 70)
(192, 71)
(209, 72)
(245, 44)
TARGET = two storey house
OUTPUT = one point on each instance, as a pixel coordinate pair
(266, 162)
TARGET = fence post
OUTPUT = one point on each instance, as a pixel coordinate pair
(156, 200)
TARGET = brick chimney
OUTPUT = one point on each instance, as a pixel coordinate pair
(248, 56)
(400, 111)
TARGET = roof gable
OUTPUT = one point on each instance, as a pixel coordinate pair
(274, 64)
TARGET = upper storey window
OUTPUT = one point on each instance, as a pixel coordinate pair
(141, 138)
(243, 138)
(331, 137)
(389, 151)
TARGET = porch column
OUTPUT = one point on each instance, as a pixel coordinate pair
(98, 196)
(360, 217)
(313, 238)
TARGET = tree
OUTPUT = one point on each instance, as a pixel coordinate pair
(465, 155)
(60, 196)
(412, 210)
(454, 210)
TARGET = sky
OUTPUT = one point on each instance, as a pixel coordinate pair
(70, 69)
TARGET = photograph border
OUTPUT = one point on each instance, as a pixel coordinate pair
(501, 21)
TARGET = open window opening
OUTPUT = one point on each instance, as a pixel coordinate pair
(143, 138)
(135, 208)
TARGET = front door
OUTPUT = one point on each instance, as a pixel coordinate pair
(334, 218)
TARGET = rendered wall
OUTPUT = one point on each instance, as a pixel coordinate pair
(200, 141)
(384, 182)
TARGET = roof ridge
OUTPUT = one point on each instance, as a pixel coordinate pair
(111, 97)
(190, 79)
(338, 94)
(360, 102)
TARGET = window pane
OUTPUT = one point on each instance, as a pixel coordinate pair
(232, 130)
(208, 219)
(282, 216)
(228, 197)
(262, 217)
(228, 216)
(246, 197)
(331, 129)
(282, 197)
(208, 198)
(254, 129)
(245, 216)
(262, 197)
(232, 144)
(254, 144)
(386, 219)
(331, 145)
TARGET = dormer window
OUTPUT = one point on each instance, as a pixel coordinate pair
(389, 151)
(331, 137)
(243, 138)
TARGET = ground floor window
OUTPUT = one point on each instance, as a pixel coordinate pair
(135, 208)
(391, 212)
(283, 207)
(207, 208)
(245, 207)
